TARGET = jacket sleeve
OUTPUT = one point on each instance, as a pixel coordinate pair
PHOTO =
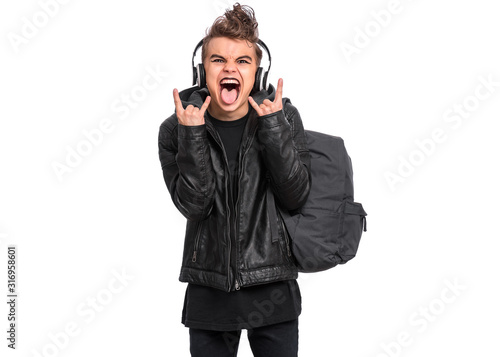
(286, 155)
(187, 167)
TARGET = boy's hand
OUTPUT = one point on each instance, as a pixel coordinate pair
(191, 115)
(268, 107)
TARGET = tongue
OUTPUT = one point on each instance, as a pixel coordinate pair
(229, 96)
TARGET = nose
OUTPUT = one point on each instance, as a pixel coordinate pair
(230, 66)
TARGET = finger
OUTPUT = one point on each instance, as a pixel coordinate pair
(177, 101)
(265, 109)
(279, 91)
(205, 105)
(254, 104)
(267, 102)
(190, 109)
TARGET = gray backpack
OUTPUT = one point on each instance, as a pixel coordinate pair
(326, 231)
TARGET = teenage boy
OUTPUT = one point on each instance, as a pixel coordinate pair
(227, 154)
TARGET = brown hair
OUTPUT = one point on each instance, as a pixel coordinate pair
(238, 23)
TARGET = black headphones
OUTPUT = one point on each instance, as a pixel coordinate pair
(260, 76)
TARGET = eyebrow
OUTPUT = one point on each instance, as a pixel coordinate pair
(241, 57)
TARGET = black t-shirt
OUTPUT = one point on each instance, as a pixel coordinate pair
(250, 307)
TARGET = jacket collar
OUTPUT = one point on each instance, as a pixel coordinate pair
(196, 96)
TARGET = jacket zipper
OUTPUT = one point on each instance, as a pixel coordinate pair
(228, 208)
(237, 284)
(228, 221)
(236, 226)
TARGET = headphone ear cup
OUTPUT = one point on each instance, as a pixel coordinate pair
(264, 81)
(258, 80)
(195, 75)
(201, 81)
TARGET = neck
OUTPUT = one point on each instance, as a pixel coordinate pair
(221, 114)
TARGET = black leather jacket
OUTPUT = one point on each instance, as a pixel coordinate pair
(231, 246)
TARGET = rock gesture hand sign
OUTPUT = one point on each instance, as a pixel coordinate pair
(191, 115)
(268, 107)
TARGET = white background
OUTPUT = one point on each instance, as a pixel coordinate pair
(437, 227)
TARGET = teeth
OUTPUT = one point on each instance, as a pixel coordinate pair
(229, 81)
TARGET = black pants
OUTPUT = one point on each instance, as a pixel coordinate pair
(278, 340)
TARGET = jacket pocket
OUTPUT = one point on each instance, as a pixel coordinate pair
(279, 234)
(271, 211)
(197, 241)
(285, 241)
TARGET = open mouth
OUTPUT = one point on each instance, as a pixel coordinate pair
(229, 90)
